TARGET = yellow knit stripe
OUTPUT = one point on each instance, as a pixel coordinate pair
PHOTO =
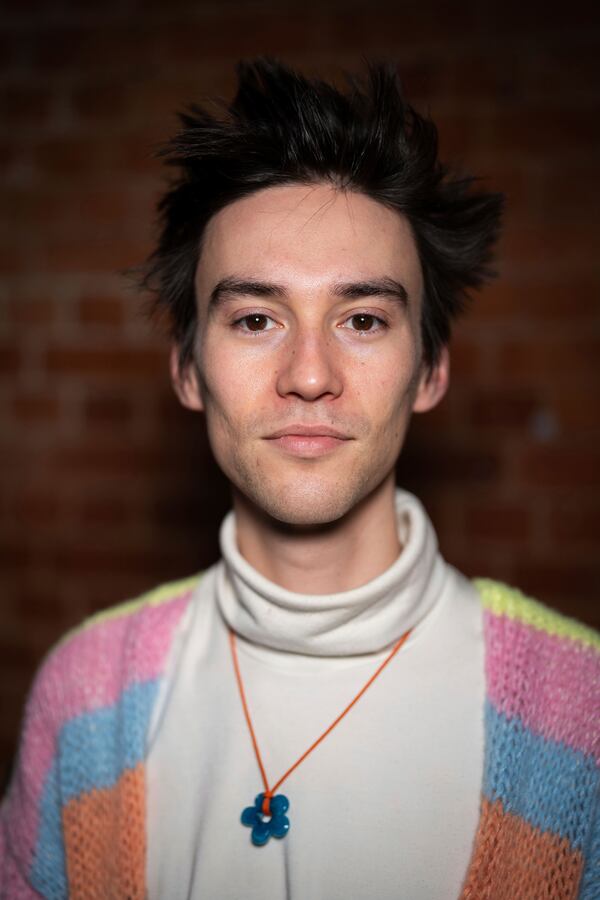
(155, 597)
(506, 601)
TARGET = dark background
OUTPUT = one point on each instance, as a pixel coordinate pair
(106, 485)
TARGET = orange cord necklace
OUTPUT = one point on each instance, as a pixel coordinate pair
(267, 817)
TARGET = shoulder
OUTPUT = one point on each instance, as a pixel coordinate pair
(83, 736)
(116, 649)
(504, 605)
(542, 668)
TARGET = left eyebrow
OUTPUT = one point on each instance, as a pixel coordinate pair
(380, 287)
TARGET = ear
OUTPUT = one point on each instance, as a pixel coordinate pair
(185, 382)
(433, 384)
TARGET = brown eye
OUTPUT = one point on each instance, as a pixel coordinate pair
(256, 322)
(362, 322)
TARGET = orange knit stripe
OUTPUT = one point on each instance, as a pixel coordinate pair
(512, 860)
(105, 835)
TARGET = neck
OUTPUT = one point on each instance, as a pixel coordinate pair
(324, 559)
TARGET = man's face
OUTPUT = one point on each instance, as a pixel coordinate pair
(308, 352)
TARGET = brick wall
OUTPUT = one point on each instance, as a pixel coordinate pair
(106, 485)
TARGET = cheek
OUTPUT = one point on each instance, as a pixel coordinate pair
(388, 386)
(233, 391)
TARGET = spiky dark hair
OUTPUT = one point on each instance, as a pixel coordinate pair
(282, 128)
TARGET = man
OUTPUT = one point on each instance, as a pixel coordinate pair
(405, 733)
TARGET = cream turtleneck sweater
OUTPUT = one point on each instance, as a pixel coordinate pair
(387, 805)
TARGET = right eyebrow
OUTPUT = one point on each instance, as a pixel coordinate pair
(227, 288)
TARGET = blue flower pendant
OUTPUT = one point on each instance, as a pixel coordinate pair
(263, 827)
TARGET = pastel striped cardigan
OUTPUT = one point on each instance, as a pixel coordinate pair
(73, 822)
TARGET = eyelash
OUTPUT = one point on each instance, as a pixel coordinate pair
(380, 322)
(238, 322)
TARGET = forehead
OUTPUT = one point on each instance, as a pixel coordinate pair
(307, 236)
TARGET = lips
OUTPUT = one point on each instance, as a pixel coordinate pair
(311, 431)
(308, 441)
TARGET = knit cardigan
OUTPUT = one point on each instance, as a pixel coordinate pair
(73, 822)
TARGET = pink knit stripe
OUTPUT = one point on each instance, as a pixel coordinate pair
(13, 886)
(555, 667)
(84, 674)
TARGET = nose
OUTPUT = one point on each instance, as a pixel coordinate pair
(310, 370)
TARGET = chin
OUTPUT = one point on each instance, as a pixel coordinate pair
(306, 505)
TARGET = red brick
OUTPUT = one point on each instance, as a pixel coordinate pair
(562, 359)
(536, 19)
(576, 408)
(568, 581)
(11, 154)
(402, 27)
(429, 425)
(566, 69)
(498, 522)
(136, 153)
(18, 655)
(24, 104)
(502, 408)
(573, 298)
(108, 409)
(31, 311)
(107, 511)
(543, 132)
(10, 50)
(481, 560)
(570, 194)
(497, 76)
(236, 33)
(100, 252)
(36, 507)
(126, 559)
(80, 207)
(549, 243)
(73, 46)
(110, 206)
(100, 310)
(421, 79)
(109, 362)
(41, 605)
(465, 358)
(576, 524)
(459, 135)
(10, 359)
(14, 257)
(30, 207)
(35, 406)
(15, 555)
(448, 464)
(91, 461)
(73, 156)
(105, 100)
(561, 466)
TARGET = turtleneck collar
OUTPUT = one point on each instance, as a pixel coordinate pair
(363, 620)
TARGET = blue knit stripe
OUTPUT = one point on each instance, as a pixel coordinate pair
(48, 873)
(550, 785)
(590, 881)
(94, 749)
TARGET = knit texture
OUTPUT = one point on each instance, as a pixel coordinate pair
(73, 822)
